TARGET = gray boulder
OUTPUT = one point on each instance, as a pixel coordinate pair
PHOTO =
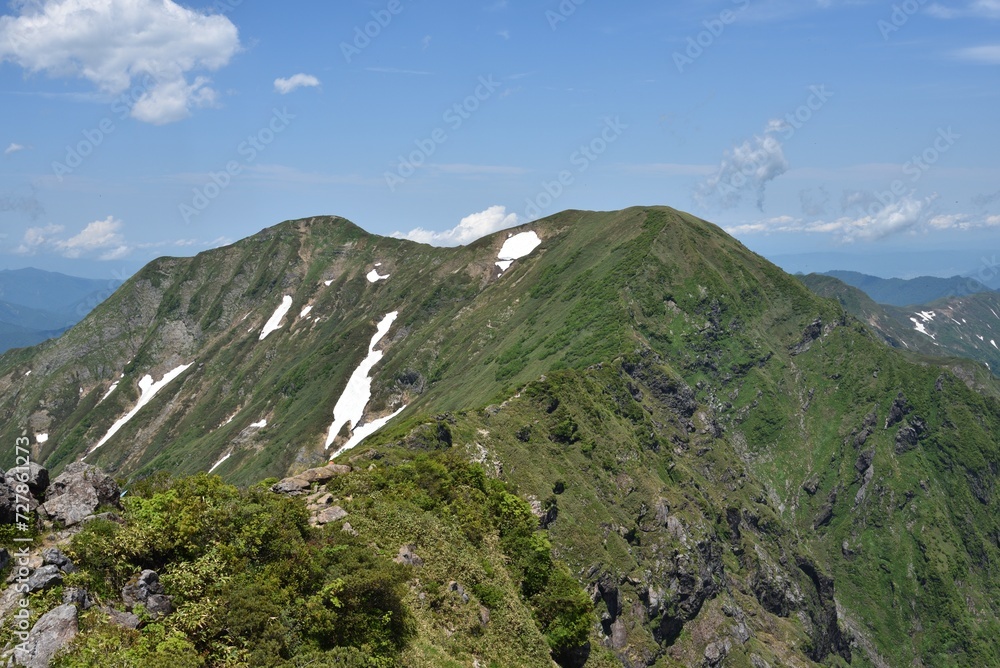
(53, 631)
(35, 476)
(53, 556)
(78, 492)
(141, 587)
(126, 620)
(77, 596)
(44, 577)
(159, 605)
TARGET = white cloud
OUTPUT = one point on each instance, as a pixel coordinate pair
(989, 54)
(903, 215)
(13, 148)
(114, 44)
(103, 237)
(468, 229)
(989, 9)
(746, 168)
(286, 86)
(961, 221)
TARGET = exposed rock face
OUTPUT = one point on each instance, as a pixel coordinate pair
(44, 577)
(141, 588)
(329, 515)
(900, 408)
(53, 631)
(303, 482)
(35, 476)
(53, 556)
(408, 557)
(78, 492)
(908, 436)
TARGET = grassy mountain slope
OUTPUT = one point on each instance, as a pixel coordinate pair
(735, 468)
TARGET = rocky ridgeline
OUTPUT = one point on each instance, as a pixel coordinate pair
(80, 494)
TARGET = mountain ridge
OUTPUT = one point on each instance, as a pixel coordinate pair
(740, 463)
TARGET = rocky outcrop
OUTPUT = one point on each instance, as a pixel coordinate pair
(78, 492)
(53, 631)
(35, 476)
(146, 589)
(303, 482)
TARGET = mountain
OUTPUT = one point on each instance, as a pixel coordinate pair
(906, 292)
(736, 470)
(37, 305)
(967, 326)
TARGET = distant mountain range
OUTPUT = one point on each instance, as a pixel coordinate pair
(914, 291)
(956, 325)
(37, 305)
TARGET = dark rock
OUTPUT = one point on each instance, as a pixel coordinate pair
(862, 437)
(35, 476)
(865, 460)
(53, 631)
(826, 636)
(126, 620)
(574, 657)
(44, 577)
(159, 606)
(900, 408)
(8, 503)
(54, 556)
(908, 436)
(811, 333)
(78, 596)
(140, 588)
(78, 492)
(811, 486)
(4, 558)
(408, 557)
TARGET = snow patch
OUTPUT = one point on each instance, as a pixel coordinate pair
(114, 386)
(516, 247)
(993, 312)
(259, 425)
(28, 373)
(305, 311)
(919, 326)
(366, 430)
(927, 316)
(220, 462)
(41, 438)
(994, 344)
(328, 283)
(148, 389)
(274, 324)
(358, 392)
(373, 276)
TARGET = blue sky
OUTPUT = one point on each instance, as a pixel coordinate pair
(852, 129)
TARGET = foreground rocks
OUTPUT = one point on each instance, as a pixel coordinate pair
(53, 631)
(77, 493)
